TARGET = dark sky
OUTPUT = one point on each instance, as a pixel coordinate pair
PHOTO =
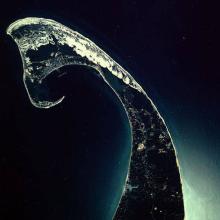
(172, 49)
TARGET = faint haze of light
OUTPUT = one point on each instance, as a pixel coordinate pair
(197, 146)
(195, 208)
(201, 194)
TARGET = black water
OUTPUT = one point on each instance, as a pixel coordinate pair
(67, 162)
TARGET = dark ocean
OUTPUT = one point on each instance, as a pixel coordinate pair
(67, 162)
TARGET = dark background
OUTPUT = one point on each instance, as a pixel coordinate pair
(172, 49)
